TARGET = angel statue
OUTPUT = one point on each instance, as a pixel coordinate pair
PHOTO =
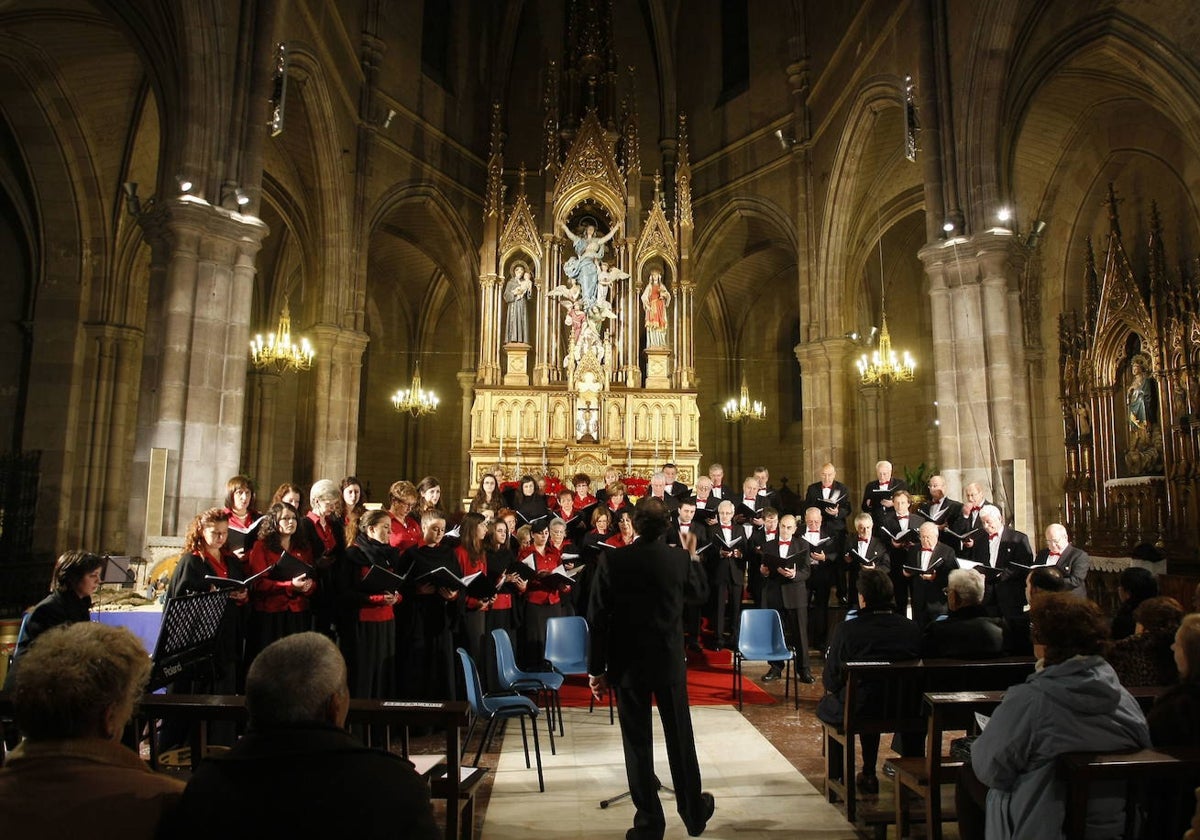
(584, 267)
(608, 275)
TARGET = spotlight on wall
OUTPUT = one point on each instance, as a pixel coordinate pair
(1035, 234)
(242, 198)
(185, 185)
(132, 203)
(948, 226)
(1004, 214)
(785, 142)
(852, 335)
(387, 121)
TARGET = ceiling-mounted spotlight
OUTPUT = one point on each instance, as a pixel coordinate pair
(785, 142)
(242, 198)
(132, 203)
(852, 335)
(1035, 234)
(391, 115)
(1004, 214)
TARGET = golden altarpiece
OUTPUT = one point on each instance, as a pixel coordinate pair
(1129, 366)
(586, 347)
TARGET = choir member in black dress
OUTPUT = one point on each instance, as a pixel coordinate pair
(425, 617)
(75, 578)
(278, 608)
(531, 502)
(543, 600)
(353, 505)
(326, 538)
(471, 554)
(371, 649)
(503, 613)
(487, 498)
(205, 552)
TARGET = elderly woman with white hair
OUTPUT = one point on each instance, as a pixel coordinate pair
(326, 537)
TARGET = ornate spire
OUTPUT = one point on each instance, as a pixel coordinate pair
(550, 161)
(1091, 283)
(494, 198)
(683, 178)
(1158, 256)
(1111, 202)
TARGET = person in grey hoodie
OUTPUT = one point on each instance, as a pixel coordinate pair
(1073, 702)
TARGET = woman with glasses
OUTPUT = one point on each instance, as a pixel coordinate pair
(280, 607)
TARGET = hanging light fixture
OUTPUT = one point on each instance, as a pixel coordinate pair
(414, 399)
(884, 366)
(278, 352)
(743, 408)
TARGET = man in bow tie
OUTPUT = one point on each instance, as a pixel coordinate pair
(716, 474)
(785, 566)
(832, 498)
(1071, 560)
(1004, 558)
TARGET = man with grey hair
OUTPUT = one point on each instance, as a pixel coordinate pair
(927, 566)
(297, 772)
(660, 489)
(967, 632)
(1071, 560)
(877, 498)
(1003, 555)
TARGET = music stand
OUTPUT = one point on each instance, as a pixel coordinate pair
(604, 803)
(116, 570)
(187, 637)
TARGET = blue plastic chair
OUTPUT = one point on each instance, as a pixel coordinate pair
(545, 683)
(760, 638)
(494, 708)
(567, 652)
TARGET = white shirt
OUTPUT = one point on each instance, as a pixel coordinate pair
(926, 554)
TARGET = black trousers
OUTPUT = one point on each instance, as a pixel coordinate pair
(633, 707)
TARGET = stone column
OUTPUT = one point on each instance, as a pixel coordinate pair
(825, 372)
(489, 329)
(466, 382)
(263, 397)
(872, 428)
(338, 368)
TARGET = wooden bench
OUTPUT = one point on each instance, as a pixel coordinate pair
(1081, 770)
(394, 716)
(898, 689)
(952, 711)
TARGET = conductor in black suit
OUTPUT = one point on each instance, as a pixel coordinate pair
(636, 620)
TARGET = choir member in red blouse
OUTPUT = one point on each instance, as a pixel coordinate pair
(406, 528)
(326, 539)
(617, 502)
(583, 490)
(542, 601)
(278, 608)
(243, 518)
(624, 535)
(205, 553)
(472, 557)
(370, 649)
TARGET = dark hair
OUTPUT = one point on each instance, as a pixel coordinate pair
(650, 519)
(467, 539)
(71, 567)
(581, 478)
(481, 501)
(424, 507)
(370, 519)
(1048, 579)
(876, 589)
(268, 530)
(1067, 626)
(1159, 615)
(521, 485)
(568, 493)
(239, 482)
(1139, 583)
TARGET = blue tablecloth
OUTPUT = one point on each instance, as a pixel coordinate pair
(142, 621)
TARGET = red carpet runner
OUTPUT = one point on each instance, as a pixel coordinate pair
(710, 683)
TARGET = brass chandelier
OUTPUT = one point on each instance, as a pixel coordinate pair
(277, 351)
(884, 366)
(743, 408)
(414, 399)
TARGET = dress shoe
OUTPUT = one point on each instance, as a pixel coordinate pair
(772, 675)
(806, 676)
(636, 833)
(708, 805)
(867, 784)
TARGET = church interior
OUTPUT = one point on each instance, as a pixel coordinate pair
(958, 235)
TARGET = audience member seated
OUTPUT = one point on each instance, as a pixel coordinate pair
(967, 632)
(1174, 721)
(71, 776)
(75, 578)
(1073, 702)
(297, 772)
(1040, 581)
(1134, 586)
(873, 632)
(1145, 658)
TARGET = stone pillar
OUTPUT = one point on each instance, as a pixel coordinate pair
(825, 372)
(873, 427)
(209, 280)
(262, 398)
(466, 382)
(338, 368)
(489, 329)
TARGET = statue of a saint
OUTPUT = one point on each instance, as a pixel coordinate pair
(516, 317)
(1141, 398)
(584, 267)
(655, 300)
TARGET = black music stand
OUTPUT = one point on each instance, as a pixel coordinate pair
(604, 803)
(116, 570)
(187, 637)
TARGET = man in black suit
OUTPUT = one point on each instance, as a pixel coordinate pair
(941, 509)
(1004, 557)
(833, 499)
(964, 520)
(636, 620)
(825, 561)
(768, 496)
(716, 474)
(659, 490)
(675, 488)
(727, 571)
(864, 551)
(1071, 560)
(937, 560)
(785, 569)
(688, 523)
(967, 632)
(877, 497)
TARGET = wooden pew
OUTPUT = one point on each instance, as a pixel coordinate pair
(1081, 770)
(898, 689)
(396, 716)
(954, 711)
